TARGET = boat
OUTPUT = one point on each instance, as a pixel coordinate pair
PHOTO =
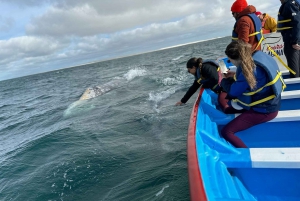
(269, 170)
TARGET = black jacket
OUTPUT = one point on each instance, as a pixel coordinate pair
(210, 78)
(290, 10)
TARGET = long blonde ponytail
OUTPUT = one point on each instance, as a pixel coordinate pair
(242, 51)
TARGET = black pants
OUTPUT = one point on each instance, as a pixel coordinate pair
(293, 59)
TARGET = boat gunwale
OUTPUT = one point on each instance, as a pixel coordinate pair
(197, 191)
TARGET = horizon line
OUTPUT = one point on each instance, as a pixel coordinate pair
(164, 48)
(98, 61)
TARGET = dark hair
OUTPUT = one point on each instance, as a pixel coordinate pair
(232, 50)
(194, 62)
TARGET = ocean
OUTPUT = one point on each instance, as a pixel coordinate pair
(127, 144)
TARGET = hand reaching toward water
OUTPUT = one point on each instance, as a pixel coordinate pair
(179, 103)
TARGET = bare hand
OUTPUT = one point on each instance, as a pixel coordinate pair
(179, 103)
(296, 46)
(228, 74)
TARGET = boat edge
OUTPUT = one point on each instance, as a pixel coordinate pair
(197, 192)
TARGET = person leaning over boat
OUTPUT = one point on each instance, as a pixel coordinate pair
(247, 27)
(289, 26)
(268, 23)
(257, 88)
(206, 74)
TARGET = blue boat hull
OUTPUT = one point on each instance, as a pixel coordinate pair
(269, 170)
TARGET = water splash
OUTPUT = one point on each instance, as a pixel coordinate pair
(158, 97)
(137, 72)
(78, 107)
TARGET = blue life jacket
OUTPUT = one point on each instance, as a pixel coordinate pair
(253, 98)
(257, 26)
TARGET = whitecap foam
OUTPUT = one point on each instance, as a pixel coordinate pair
(177, 80)
(159, 96)
(177, 58)
(170, 81)
(132, 73)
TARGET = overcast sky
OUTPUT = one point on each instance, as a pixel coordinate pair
(44, 35)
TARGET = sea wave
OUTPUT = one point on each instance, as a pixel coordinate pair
(133, 73)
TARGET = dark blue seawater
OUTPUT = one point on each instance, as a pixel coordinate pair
(127, 144)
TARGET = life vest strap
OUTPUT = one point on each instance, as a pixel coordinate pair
(283, 21)
(284, 28)
(255, 102)
(261, 39)
(283, 83)
(280, 60)
(278, 76)
(215, 86)
(253, 34)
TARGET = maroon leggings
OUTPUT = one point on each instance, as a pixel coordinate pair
(246, 120)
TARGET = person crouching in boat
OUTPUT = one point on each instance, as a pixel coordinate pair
(206, 75)
(257, 88)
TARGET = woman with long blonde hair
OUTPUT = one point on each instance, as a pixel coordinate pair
(249, 89)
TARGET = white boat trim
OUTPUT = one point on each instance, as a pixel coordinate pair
(286, 115)
(290, 94)
(275, 157)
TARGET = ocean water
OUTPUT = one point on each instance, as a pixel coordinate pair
(127, 144)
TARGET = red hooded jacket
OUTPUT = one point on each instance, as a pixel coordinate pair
(245, 27)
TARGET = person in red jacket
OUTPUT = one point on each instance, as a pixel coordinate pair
(247, 27)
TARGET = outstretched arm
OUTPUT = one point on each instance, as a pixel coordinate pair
(189, 93)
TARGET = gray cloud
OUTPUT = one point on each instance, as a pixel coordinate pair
(24, 47)
(73, 32)
(107, 17)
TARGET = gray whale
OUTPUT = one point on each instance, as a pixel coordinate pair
(93, 92)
